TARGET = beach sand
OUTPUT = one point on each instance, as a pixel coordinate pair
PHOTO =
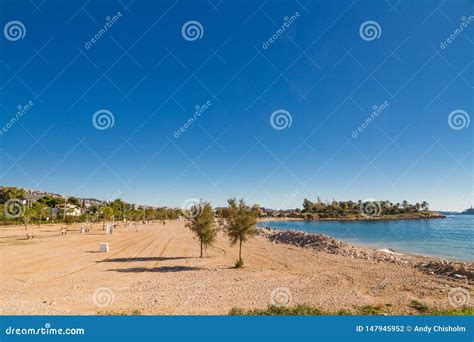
(157, 270)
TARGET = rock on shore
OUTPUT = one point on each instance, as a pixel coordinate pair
(320, 242)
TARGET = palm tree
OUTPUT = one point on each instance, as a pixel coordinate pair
(94, 211)
(405, 205)
(425, 206)
(240, 225)
(203, 225)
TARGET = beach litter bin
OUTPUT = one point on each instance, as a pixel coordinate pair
(104, 246)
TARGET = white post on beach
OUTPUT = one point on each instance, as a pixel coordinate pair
(104, 246)
(109, 228)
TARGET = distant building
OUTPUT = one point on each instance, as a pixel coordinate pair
(73, 210)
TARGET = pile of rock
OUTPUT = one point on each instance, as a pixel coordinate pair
(317, 242)
(451, 269)
(324, 243)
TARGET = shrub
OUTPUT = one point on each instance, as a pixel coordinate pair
(274, 310)
(370, 310)
(239, 263)
(422, 308)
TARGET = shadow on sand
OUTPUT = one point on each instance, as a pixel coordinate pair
(142, 259)
(161, 269)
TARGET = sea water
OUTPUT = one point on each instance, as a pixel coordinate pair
(450, 238)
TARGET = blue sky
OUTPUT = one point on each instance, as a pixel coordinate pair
(319, 69)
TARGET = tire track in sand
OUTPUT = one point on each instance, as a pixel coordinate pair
(98, 262)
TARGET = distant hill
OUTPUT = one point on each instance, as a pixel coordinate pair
(34, 195)
(469, 211)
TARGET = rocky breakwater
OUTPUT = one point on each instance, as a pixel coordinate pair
(323, 243)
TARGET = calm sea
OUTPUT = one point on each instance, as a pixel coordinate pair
(451, 238)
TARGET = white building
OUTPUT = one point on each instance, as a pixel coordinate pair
(73, 210)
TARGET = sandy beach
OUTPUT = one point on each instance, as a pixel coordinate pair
(155, 269)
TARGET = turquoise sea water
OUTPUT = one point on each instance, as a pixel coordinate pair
(451, 238)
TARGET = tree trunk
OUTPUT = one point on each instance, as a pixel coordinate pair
(201, 248)
(240, 249)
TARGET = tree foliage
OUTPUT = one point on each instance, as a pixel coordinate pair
(203, 225)
(240, 224)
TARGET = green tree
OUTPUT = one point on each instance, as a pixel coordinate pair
(257, 210)
(107, 213)
(203, 225)
(73, 200)
(118, 207)
(240, 224)
(41, 210)
(50, 201)
(425, 206)
(7, 193)
(405, 205)
(308, 206)
(28, 214)
(94, 211)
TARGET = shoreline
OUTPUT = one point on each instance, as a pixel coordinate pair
(453, 269)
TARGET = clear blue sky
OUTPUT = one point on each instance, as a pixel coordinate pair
(319, 70)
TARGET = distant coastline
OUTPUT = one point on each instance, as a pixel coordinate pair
(25, 206)
(411, 216)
